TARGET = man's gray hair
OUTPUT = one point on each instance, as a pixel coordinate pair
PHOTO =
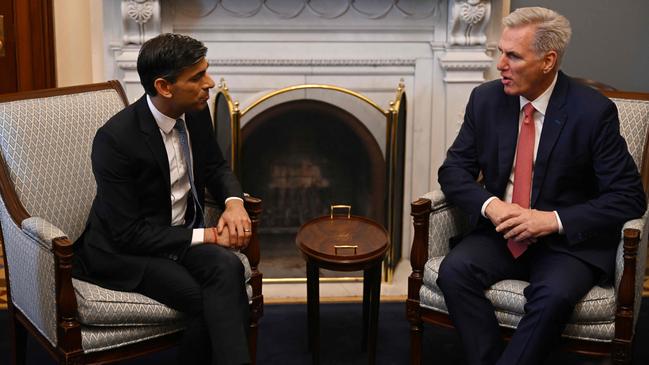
(552, 29)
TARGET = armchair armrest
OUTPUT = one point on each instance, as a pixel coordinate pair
(629, 275)
(41, 231)
(252, 252)
(446, 221)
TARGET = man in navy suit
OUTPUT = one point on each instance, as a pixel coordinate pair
(552, 198)
(152, 162)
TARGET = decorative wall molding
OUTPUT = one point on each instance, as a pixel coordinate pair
(465, 66)
(141, 20)
(298, 62)
(468, 20)
(324, 9)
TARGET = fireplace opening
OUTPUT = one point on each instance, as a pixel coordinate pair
(300, 157)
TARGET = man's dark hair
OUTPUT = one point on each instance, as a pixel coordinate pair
(165, 56)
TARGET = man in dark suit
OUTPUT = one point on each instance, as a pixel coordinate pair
(557, 185)
(152, 162)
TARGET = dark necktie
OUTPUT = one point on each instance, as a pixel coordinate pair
(523, 172)
(197, 216)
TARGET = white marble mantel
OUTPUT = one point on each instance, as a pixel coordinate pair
(440, 48)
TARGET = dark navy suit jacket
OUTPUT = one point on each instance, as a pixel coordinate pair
(130, 219)
(583, 169)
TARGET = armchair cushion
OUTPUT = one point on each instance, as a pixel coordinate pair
(593, 318)
(95, 339)
(103, 307)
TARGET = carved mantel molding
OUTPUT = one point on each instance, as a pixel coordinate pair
(321, 9)
(298, 62)
(468, 20)
(140, 20)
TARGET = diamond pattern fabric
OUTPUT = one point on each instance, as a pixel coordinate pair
(41, 230)
(104, 307)
(46, 144)
(95, 339)
(634, 121)
(446, 222)
(31, 272)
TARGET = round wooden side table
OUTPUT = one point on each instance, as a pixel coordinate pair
(343, 243)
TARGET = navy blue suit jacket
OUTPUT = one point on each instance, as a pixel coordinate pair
(583, 169)
(130, 218)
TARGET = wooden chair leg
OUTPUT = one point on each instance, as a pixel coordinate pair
(252, 341)
(621, 354)
(18, 335)
(416, 331)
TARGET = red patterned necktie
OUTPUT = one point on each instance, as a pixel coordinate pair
(523, 172)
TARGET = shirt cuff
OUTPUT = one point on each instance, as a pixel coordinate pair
(233, 197)
(559, 222)
(484, 206)
(198, 236)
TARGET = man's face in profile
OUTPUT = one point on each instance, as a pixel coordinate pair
(521, 67)
(191, 90)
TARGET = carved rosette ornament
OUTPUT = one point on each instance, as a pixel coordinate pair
(141, 20)
(467, 22)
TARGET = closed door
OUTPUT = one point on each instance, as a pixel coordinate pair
(27, 48)
(8, 77)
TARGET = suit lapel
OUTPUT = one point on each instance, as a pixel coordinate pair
(507, 140)
(553, 123)
(153, 139)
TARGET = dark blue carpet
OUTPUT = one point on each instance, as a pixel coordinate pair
(283, 339)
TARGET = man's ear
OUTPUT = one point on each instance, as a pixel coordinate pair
(550, 61)
(163, 87)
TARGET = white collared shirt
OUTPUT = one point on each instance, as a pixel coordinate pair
(178, 177)
(540, 107)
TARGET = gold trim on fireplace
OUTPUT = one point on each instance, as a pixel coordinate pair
(313, 86)
(346, 279)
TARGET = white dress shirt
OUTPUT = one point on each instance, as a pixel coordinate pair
(178, 176)
(540, 107)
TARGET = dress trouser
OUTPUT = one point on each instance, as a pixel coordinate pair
(557, 282)
(207, 285)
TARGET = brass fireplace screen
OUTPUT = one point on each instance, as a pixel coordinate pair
(387, 127)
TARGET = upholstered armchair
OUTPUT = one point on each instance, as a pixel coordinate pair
(47, 188)
(602, 323)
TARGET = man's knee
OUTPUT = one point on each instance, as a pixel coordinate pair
(221, 261)
(452, 271)
(549, 298)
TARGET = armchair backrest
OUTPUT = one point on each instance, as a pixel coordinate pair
(46, 137)
(45, 171)
(633, 110)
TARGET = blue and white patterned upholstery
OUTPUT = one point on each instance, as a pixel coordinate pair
(46, 145)
(594, 316)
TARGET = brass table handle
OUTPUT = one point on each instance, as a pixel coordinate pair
(348, 207)
(344, 247)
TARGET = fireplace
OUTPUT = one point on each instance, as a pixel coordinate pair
(306, 148)
(300, 157)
